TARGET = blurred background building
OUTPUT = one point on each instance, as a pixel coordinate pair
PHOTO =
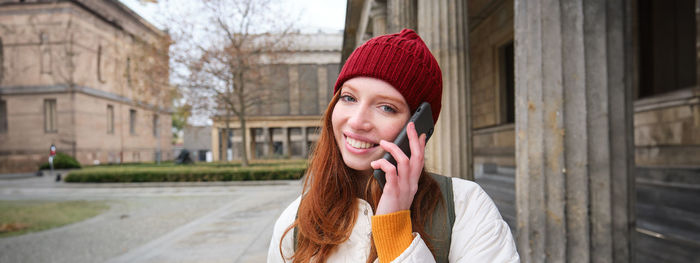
(90, 77)
(197, 140)
(286, 125)
(581, 119)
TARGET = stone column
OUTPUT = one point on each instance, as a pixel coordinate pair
(378, 14)
(697, 41)
(229, 145)
(362, 29)
(250, 146)
(285, 142)
(443, 26)
(215, 144)
(267, 142)
(401, 14)
(574, 183)
(304, 142)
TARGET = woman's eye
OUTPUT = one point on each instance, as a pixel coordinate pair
(347, 98)
(388, 109)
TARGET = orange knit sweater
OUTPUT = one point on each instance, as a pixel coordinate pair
(392, 234)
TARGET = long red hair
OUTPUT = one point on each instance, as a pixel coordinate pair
(329, 203)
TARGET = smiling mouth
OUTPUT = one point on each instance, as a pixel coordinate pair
(359, 144)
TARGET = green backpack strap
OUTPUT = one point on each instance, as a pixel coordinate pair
(440, 229)
(295, 230)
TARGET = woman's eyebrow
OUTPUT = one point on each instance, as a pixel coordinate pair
(348, 86)
(393, 99)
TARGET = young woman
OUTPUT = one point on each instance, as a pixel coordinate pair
(344, 216)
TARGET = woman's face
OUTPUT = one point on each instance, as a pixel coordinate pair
(369, 110)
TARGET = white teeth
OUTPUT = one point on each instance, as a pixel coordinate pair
(358, 144)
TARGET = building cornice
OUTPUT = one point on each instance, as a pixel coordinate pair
(48, 89)
(270, 121)
(93, 8)
(687, 96)
(272, 118)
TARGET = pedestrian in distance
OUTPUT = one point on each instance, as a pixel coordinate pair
(344, 214)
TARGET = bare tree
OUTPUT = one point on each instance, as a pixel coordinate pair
(149, 71)
(245, 37)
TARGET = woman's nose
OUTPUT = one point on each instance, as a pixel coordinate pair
(360, 119)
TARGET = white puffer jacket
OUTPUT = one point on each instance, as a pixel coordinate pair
(479, 233)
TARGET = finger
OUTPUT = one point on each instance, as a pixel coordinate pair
(417, 151)
(413, 141)
(417, 162)
(402, 161)
(417, 146)
(390, 173)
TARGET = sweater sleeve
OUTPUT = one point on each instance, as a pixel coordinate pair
(392, 234)
(395, 242)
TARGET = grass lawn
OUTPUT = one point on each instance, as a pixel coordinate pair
(20, 217)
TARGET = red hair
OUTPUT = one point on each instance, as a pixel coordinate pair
(329, 204)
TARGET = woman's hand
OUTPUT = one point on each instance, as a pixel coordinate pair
(402, 179)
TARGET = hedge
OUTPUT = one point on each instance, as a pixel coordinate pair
(183, 174)
(231, 164)
(61, 161)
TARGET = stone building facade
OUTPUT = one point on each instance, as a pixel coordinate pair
(288, 125)
(552, 106)
(197, 140)
(87, 76)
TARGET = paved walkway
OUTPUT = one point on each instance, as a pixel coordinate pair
(202, 222)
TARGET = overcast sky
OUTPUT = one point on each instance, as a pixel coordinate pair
(315, 15)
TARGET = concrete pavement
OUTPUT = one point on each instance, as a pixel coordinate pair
(189, 222)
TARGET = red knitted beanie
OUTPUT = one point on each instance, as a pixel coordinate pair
(402, 60)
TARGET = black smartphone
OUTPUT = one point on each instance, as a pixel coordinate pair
(423, 119)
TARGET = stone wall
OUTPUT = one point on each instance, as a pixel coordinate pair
(75, 37)
(297, 89)
(495, 145)
(667, 129)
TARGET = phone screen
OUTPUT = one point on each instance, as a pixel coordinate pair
(423, 119)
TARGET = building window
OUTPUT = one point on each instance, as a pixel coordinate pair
(3, 116)
(99, 63)
(50, 115)
(110, 119)
(45, 49)
(202, 155)
(667, 32)
(507, 83)
(156, 123)
(132, 121)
